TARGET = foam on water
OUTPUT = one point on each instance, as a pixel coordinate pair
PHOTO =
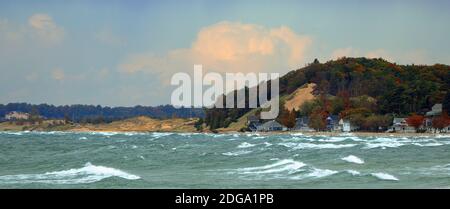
(353, 159)
(385, 176)
(285, 165)
(88, 174)
(237, 153)
(245, 145)
(320, 173)
(315, 146)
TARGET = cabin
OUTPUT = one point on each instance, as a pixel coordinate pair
(346, 126)
(253, 122)
(271, 126)
(332, 123)
(435, 111)
(400, 125)
(301, 124)
(15, 115)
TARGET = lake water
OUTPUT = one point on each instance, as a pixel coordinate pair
(190, 160)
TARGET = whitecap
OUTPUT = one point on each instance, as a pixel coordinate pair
(237, 153)
(320, 173)
(385, 176)
(88, 174)
(353, 172)
(285, 165)
(82, 138)
(267, 144)
(315, 146)
(435, 144)
(353, 159)
(245, 145)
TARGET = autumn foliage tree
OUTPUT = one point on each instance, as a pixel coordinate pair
(287, 118)
(441, 122)
(318, 120)
(415, 121)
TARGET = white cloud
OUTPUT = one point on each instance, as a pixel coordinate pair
(58, 74)
(228, 47)
(45, 28)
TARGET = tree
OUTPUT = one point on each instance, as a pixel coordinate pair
(318, 120)
(287, 118)
(446, 103)
(440, 122)
(415, 121)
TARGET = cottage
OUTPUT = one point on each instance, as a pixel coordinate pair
(332, 122)
(271, 126)
(253, 122)
(400, 125)
(346, 126)
(14, 115)
(436, 110)
(301, 124)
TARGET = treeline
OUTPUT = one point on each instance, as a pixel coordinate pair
(98, 114)
(369, 92)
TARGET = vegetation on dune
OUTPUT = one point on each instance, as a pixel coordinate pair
(368, 92)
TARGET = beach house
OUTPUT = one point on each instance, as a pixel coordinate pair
(15, 115)
(253, 122)
(346, 126)
(435, 111)
(301, 124)
(400, 125)
(271, 126)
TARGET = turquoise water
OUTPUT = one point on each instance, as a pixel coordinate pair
(171, 160)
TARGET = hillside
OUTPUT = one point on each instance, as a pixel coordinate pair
(369, 87)
(138, 124)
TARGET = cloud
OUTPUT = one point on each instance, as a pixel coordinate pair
(228, 47)
(45, 28)
(58, 74)
(107, 37)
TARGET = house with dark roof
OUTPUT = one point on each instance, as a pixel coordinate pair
(301, 124)
(271, 126)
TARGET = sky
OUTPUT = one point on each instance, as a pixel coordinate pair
(123, 53)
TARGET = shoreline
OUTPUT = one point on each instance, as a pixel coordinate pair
(328, 134)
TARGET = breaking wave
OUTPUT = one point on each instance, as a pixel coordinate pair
(87, 174)
(245, 145)
(315, 146)
(353, 159)
(385, 176)
(285, 165)
(237, 153)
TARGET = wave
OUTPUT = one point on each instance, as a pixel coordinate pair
(88, 174)
(385, 176)
(319, 173)
(316, 146)
(353, 159)
(353, 172)
(435, 144)
(245, 145)
(285, 165)
(237, 153)
(314, 173)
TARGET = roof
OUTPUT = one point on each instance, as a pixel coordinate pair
(435, 110)
(399, 120)
(271, 123)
